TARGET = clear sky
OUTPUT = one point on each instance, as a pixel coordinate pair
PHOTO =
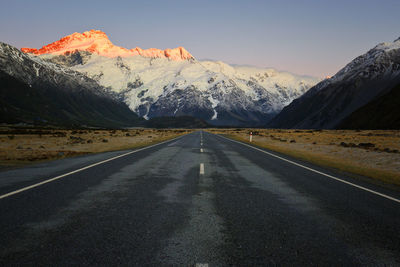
(302, 36)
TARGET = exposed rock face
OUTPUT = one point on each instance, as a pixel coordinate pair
(330, 102)
(172, 83)
(214, 91)
(36, 91)
(97, 42)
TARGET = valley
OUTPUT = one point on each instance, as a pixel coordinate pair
(370, 153)
(201, 199)
(200, 133)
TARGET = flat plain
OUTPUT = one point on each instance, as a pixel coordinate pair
(371, 153)
(21, 146)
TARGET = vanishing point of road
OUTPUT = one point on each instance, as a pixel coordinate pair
(197, 200)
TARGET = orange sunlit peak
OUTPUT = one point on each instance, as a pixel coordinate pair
(95, 41)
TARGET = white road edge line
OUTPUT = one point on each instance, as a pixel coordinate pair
(324, 174)
(82, 169)
(201, 168)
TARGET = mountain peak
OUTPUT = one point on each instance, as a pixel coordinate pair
(97, 42)
(388, 46)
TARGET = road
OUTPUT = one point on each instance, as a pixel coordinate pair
(199, 200)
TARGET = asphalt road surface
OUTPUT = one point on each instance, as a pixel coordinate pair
(197, 200)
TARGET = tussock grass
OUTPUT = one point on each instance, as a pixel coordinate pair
(373, 154)
(19, 146)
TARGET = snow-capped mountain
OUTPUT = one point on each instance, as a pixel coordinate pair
(97, 42)
(37, 91)
(326, 105)
(171, 82)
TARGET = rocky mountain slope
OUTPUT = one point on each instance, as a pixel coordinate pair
(34, 91)
(329, 103)
(381, 113)
(171, 82)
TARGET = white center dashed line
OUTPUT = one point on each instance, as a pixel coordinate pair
(201, 168)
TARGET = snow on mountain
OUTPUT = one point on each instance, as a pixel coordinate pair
(154, 85)
(36, 91)
(372, 63)
(30, 69)
(97, 42)
(364, 79)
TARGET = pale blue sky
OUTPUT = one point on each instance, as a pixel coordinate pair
(314, 37)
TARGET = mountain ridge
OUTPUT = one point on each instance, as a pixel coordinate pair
(328, 103)
(95, 41)
(213, 91)
(34, 91)
(156, 86)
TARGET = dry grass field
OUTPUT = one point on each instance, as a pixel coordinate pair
(374, 154)
(20, 146)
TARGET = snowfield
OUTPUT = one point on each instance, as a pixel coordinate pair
(141, 82)
(172, 82)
